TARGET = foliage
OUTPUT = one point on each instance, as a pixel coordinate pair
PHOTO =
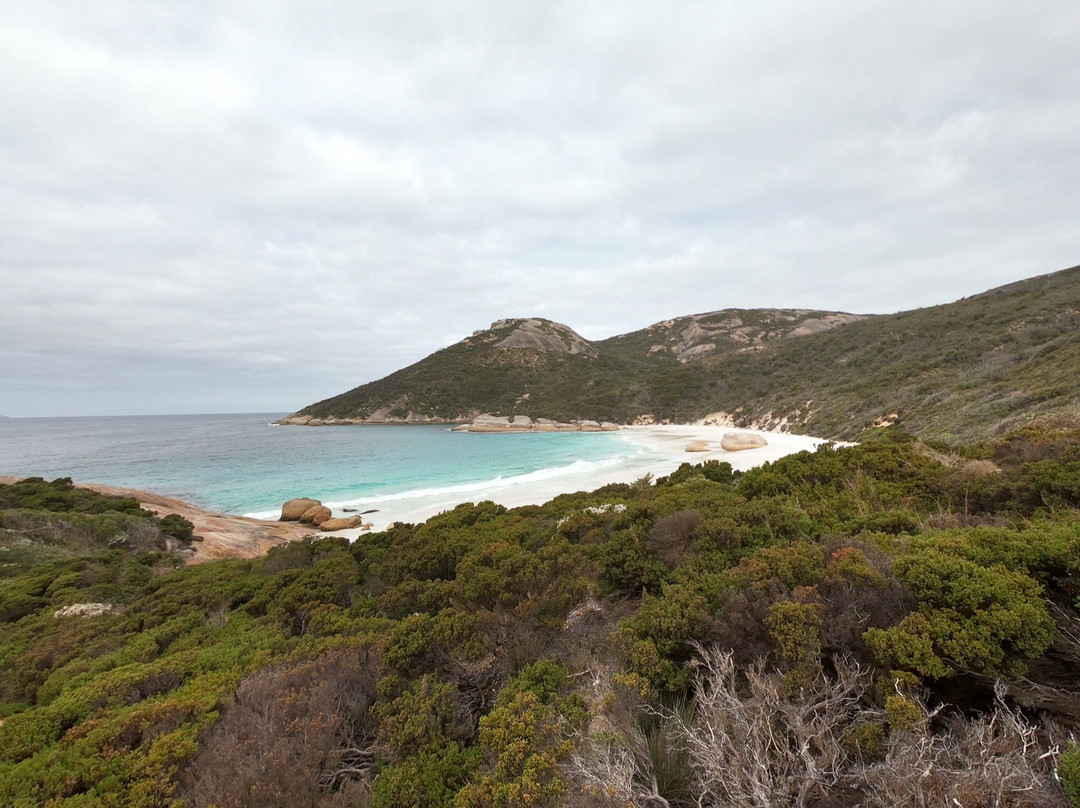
(1069, 772)
(982, 619)
(430, 779)
(565, 654)
(524, 739)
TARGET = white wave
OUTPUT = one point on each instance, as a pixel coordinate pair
(464, 491)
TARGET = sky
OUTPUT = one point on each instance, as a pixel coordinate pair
(250, 206)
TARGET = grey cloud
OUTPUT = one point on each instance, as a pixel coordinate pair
(263, 204)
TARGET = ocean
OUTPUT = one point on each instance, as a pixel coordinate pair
(242, 464)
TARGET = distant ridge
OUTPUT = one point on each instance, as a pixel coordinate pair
(965, 369)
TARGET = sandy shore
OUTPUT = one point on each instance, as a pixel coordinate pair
(660, 451)
(656, 450)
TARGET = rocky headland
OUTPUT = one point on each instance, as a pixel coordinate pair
(971, 369)
(523, 423)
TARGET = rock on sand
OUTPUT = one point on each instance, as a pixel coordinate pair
(316, 515)
(739, 441)
(697, 446)
(347, 523)
(292, 510)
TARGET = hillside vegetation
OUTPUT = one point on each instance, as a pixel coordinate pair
(969, 369)
(884, 625)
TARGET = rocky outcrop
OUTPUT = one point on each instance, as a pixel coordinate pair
(697, 446)
(741, 441)
(85, 610)
(316, 515)
(523, 423)
(379, 416)
(698, 336)
(542, 336)
(292, 510)
(346, 523)
(296, 419)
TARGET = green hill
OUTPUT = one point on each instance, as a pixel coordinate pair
(967, 369)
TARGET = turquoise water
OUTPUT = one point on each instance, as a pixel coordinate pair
(242, 464)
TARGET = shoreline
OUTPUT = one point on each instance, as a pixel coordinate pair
(223, 535)
(660, 450)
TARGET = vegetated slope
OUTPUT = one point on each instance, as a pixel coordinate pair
(966, 369)
(777, 637)
(544, 369)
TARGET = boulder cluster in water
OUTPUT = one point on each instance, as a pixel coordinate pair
(312, 512)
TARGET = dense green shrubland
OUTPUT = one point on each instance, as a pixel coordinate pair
(878, 609)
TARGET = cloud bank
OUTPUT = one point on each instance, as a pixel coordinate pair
(238, 206)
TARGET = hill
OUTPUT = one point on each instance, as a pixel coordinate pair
(968, 369)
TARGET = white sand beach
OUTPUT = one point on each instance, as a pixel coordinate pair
(655, 450)
(661, 450)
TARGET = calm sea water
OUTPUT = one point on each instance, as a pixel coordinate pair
(242, 464)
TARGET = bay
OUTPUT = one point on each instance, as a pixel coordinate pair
(242, 464)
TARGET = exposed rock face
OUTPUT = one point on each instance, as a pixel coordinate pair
(544, 336)
(85, 610)
(523, 423)
(740, 441)
(341, 524)
(701, 335)
(292, 510)
(294, 420)
(316, 515)
(697, 446)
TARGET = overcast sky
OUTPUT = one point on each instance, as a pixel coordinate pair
(249, 206)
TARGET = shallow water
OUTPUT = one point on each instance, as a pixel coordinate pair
(242, 464)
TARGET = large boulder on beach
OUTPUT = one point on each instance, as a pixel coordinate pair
(740, 441)
(697, 446)
(292, 510)
(316, 515)
(346, 523)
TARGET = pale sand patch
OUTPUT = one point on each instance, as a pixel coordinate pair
(663, 450)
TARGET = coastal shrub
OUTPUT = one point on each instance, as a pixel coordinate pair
(292, 729)
(524, 740)
(1068, 771)
(984, 619)
(660, 635)
(629, 564)
(799, 564)
(412, 596)
(429, 779)
(419, 642)
(716, 471)
(435, 549)
(795, 627)
(177, 527)
(61, 496)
